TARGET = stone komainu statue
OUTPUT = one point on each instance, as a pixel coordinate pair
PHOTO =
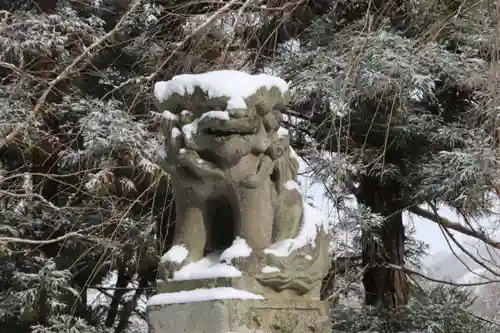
(233, 174)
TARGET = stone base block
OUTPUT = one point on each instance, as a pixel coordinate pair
(245, 282)
(241, 316)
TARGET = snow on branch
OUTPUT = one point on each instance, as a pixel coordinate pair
(65, 73)
(79, 233)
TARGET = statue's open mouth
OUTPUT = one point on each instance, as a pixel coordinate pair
(225, 128)
(218, 132)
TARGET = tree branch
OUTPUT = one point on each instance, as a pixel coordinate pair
(27, 196)
(48, 241)
(446, 232)
(410, 271)
(454, 226)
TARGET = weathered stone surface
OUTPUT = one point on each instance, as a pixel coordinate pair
(246, 282)
(241, 316)
(233, 173)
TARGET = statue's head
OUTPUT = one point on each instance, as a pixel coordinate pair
(221, 129)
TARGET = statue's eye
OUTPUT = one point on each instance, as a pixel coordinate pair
(186, 117)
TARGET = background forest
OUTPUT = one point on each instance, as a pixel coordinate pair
(395, 114)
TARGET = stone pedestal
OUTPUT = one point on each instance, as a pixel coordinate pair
(245, 282)
(240, 316)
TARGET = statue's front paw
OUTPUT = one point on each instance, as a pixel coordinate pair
(172, 268)
(173, 260)
(251, 264)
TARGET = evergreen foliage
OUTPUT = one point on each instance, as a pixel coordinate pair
(403, 92)
(442, 311)
(402, 107)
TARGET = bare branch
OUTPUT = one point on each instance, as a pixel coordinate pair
(446, 235)
(470, 255)
(78, 234)
(454, 226)
(410, 271)
(28, 196)
(18, 70)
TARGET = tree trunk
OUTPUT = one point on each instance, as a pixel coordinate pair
(384, 287)
(129, 306)
(122, 282)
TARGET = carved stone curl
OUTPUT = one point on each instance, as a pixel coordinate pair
(233, 174)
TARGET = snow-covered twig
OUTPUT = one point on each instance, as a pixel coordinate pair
(78, 233)
(28, 195)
